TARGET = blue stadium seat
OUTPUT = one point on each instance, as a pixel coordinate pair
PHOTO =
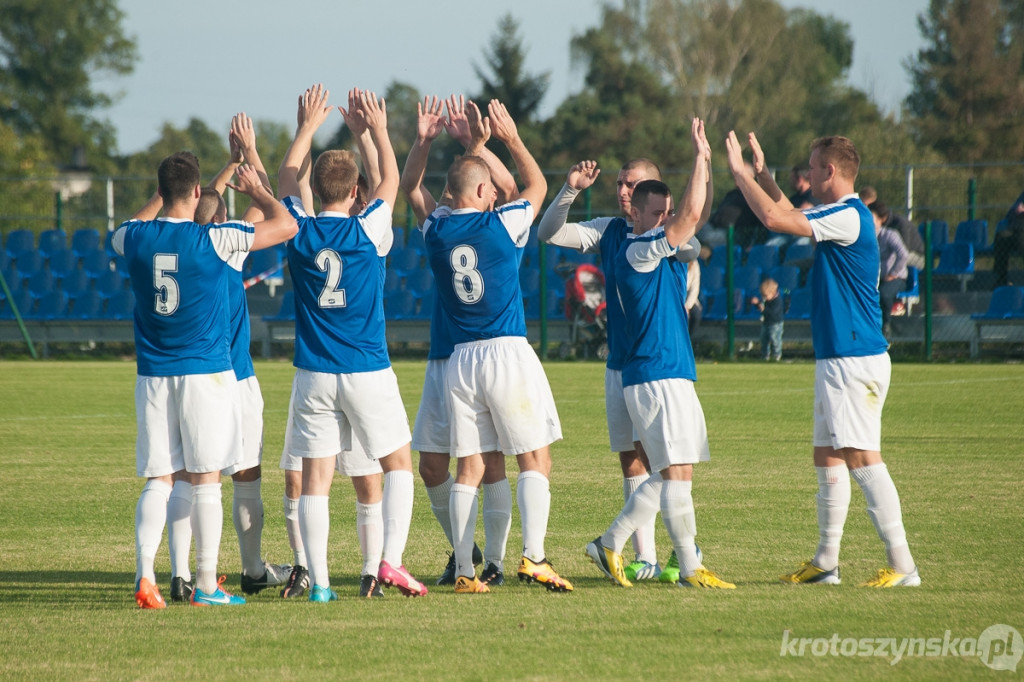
(414, 239)
(85, 240)
(95, 262)
(712, 278)
(425, 306)
(21, 299)
(940, 235)
(121, 305)
(109, 283)
(1006, 303)
(975, 233)
(287, 310)
(799, 255)
(75, 283)
(720, 253)
(529, 281)
(787, 276)
(398, 237)
(63, 262)
(107, 245)
(956, 260)
(51, 241)
(18, 241)
(748, 278)
(40, 283)
(392, 281)
(799, 305)
(719, 304)
(763, 256)
(912, 294)
(420, 281)
(86, 306)
(27, 263)
(52, 305)
(405, 260)
(400, 305)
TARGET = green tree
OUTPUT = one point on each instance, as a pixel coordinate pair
(968, 80)
(504, 76)
(50, 52)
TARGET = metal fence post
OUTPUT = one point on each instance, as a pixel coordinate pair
(972, 197)
(730, 302)
(928, 260)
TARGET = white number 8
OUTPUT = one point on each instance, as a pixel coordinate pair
(467, 280)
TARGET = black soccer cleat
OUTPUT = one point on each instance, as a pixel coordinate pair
(492, 576)
(369, 587)
(297, 583)
(181, 590)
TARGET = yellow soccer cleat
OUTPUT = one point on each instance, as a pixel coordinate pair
(889, 578)
(609, 561)
(809, 573)
(543, 573)
(464, 585)
(705, 578)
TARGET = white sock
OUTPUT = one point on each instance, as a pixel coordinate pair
(247, 513)
(207, 525)
(833, 505)
(150, 517)
(641, 507)
(315, 524)
(462, 509)
(681, 522)
(497, 521)
(370, 527)
(397, 512)
(533, 494)
(179, 529)
(439, 496)
(885, 512)
(291, 524)
(643, 537)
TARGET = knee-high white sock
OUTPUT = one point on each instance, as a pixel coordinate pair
(833, 505)
(497, 521)
(370, 526)
(462, 509)
(681, 522)
(150, 517)
(533, 494)
(643, 537)
(315, 524)
(179, 529)
(884, 509)
(641, 508)
(397, 512)
(439, 496)
(247, 513)
(207, 525)
(291, 524)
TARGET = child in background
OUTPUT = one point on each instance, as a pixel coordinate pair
(772, 310)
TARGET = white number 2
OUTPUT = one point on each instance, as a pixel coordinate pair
(467, 280)
(168, 295)
(331, 296)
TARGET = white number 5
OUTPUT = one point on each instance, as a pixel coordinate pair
(168, 296)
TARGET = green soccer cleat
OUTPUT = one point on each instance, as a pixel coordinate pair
(642, 570)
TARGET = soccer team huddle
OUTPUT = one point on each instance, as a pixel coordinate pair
(485, 394)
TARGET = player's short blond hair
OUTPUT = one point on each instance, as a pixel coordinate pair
(465, 174)
(649, 168)
(841, 153)
(335, 174)
(210, 204)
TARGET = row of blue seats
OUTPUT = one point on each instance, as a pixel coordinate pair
(57, 305)
(1007, 303)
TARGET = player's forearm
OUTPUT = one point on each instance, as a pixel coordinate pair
(534, 184)
(387, 188)
(553, 227)
(766, 181)
(772, 215)
(151, 209)
(277, 225)
(500, 176)
(368, 153)
(298, 151)
(223, 176)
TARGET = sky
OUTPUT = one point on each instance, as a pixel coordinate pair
(259, 55)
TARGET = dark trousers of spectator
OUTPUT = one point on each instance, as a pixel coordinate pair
(693, 318)
(887, 292)
(1006, 243)
(771, 341)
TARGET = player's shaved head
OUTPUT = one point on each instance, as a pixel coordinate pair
(466, 174)
(210, 207)
(649, 168)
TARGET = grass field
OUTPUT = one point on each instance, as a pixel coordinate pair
(953, 439)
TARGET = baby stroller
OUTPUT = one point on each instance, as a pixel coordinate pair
(585, 307)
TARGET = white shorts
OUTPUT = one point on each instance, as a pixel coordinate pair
(431, 432)
(669, 421)
(350, 462)
(848, 397)
(620, 428)
(499, 398)
(251, 400)
(190, 422)
(330, 412)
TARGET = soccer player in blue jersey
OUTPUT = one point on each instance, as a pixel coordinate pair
(431, 434)
(187, 405)
(247, 500)
(852, 368)
(499, 397)
(345, 391)
(604, 236)
(659, 371)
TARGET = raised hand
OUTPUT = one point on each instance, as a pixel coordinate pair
(757, 154)
(583, 175)
(248, 180)
(701, 146)
(243, 135)
(373, 111)
(502, 125)
(355, 122)
(479, 126)
(734, 154)
(313, 107)
(429, 121)
(456, 122)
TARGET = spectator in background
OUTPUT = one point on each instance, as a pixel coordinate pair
(907, 230)
(773, 311)
(799, 177)
(1009, 240)
(733, 210)
(892, 257)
